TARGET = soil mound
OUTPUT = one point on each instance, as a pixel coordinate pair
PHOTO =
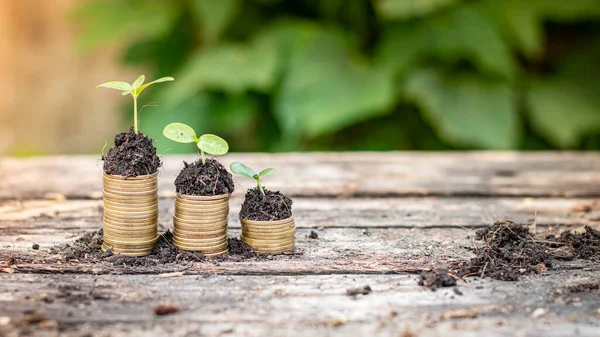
(132, 155)
(436, 279)
(269, 207)
(206, 179)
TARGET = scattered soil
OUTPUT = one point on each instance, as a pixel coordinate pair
(436, 279)
(583, 288)
(164, 258)
(508, 250)
(165, 309)
(132, 155)
(354, 292)
(210, 178)
(269, 207)
(35, 246)
(585, 245)
(313, 235)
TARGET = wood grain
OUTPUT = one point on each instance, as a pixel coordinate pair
(564, 174)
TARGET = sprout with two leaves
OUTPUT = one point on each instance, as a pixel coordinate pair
(239, 168)
(208, 143)
(135, 89)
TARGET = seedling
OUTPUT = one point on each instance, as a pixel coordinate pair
(135, 89)
(239, 168)
(208, 143)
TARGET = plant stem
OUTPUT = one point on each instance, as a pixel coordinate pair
(135, 116)
(260, 187)
(203, 159)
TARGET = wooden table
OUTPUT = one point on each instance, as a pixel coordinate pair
(381, 218)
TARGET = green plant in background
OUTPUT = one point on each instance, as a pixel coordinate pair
(134, 89)
(208, 143)
(367, 74)
(239, 168)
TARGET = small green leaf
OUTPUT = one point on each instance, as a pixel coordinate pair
(266, 172)
(212, 144)
(138, 82)
(239, 168)
(123, 86)
(138, 91)
(180, 133)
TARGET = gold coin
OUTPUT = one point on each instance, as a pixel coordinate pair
(267, 243)
(267, 223)
(131, 211)
(115, 234)
(198, 228)
(269, 236)
(205, 250)
(146, 186)
(136, 178)
(130, 221)
(221, 230)
(186, 197)
(201, 208)
(129, 200)
(119, 193)
(121, 206)
(129, 245)
(133, 225)
(205, 216)
(199, 235)
(274, 251)
(128, 252)
(200, 221)
(278, 230)
(203, 241)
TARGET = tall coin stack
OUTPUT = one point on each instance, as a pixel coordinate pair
(273, 237)
(200, 223)
(130, 214)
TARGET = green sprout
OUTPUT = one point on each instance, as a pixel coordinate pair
(239, 168)
(135, 89)
(208, 143)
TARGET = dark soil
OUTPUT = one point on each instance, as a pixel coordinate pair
(354, 292)
(313, 235)
(132, 155)
(585, 245)
(269, 207)
(436, 279)
(86, 249)
(210, 178)
(508, 251)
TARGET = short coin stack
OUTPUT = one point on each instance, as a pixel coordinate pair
(130, 214)
(200, 223)
(273, 237)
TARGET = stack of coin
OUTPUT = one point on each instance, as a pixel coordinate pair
(273, 237)
(200, 223)
(130, 214)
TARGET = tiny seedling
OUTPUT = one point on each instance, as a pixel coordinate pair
(135, 89)
(208, 143)
(239, 168)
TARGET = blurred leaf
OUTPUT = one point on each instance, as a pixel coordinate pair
(266, 172)
(239, 168)
(136, 84)
(181, 133)
(519, 21)
(560, 10)
(565, 106)
(461, 34)
(213, 144)
(139, 90)
(215, 16)
(122, 20)
(405, 9)
(324, 89)
(123, 86)
(467, 110)
(563, 111)
(227, 67)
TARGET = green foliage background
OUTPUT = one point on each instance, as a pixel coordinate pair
(275, 75)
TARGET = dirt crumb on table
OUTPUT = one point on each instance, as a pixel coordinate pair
(436, 279)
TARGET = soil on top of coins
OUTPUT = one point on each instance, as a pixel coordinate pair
(132, 155)
(510, 250)
(206, 179)
(269, 207)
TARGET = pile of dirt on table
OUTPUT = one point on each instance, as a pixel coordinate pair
(269, 207)
(510, 250)
(210, 178)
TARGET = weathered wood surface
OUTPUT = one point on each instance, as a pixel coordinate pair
(340, 174)
(373, 227)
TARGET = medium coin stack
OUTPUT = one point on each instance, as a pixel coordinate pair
(273, 237)
(130, 214)
(200, 223)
